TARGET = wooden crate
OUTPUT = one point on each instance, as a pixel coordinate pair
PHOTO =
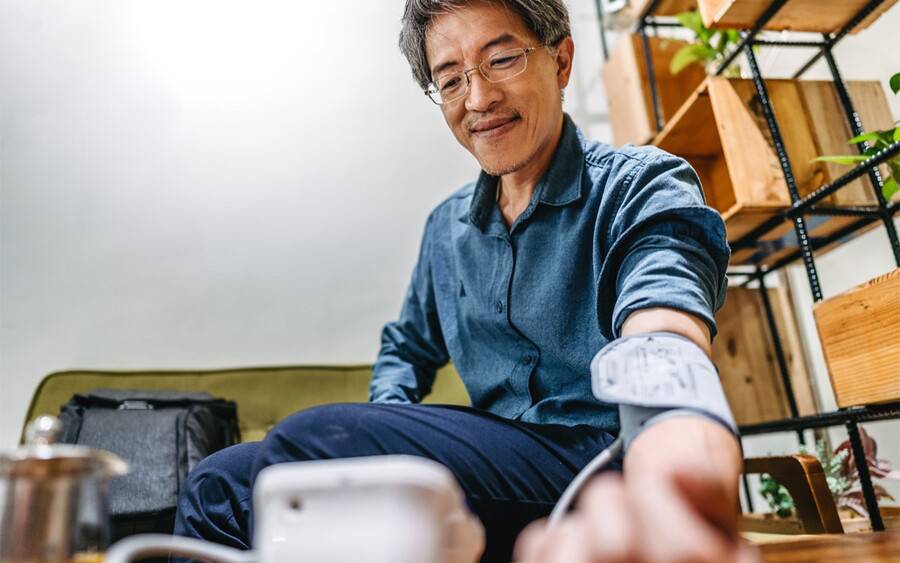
(628, 91)
(721, 131)
(822, 16)
(665, 7)
(744, 352)
(860, 334)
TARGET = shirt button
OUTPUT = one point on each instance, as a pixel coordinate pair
(499, 307)
(527, 360)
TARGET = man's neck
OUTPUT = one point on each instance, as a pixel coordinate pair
(514, 190)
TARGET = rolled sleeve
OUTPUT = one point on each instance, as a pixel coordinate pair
(667, 247)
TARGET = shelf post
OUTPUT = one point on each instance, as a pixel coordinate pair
(851, 25)
(651, 78)
(600, 16)
(865, 478)
(857, 129)
(778, 141)
(776, 340)
(749, 37)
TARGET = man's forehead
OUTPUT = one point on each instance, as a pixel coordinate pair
(468, 29)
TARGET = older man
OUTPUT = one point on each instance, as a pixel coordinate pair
(560, 247)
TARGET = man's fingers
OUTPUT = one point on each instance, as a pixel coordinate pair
(680, 533)
(605, 507)
(599, 530)
(566, 542)
(529, 540)
(748, 553)
(711, 499)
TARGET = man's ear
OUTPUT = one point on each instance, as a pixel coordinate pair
(565, 54)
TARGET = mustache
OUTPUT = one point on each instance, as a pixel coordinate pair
(471, 121)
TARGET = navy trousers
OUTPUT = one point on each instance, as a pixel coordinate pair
(512, 472)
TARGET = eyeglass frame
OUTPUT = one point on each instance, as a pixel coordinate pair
(433, 88)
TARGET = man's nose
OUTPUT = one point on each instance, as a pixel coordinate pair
(482, 94)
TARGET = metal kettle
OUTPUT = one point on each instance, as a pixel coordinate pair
(53, 499)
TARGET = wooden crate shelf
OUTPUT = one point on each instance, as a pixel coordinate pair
(626, 82)
(744, 352)
(822, 16)
(665, 8)
(720, 130)
(860, 334)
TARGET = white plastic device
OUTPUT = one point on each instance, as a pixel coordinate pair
(384, 509)
(392, 509)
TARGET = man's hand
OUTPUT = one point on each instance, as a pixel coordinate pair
(678, 501)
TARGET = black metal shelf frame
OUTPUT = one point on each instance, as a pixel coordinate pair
(797, 212)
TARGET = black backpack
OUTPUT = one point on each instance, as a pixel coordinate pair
(161, 434)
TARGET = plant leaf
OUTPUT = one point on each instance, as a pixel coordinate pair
(690, 54)
(890, 188)
(854, 501)
(895, 83)
(844, 159)
(896, 134)
(694, 22)
(881, 492)
(886, 137)
(867, 136)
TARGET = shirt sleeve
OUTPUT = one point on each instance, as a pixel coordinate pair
(667, 248)
(412, 347)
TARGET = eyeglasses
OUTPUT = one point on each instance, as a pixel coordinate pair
(496, 68)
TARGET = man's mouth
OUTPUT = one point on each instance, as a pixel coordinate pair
(490, 128)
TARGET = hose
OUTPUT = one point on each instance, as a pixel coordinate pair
(596, 464)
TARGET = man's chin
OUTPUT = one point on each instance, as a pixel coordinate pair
(501, 166)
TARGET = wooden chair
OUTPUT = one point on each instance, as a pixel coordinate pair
(802, 475)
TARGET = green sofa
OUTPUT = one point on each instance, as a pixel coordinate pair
(264, 395)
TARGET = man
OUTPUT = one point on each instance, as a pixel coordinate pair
(561, 247)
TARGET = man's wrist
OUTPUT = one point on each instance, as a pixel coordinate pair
(687, 443)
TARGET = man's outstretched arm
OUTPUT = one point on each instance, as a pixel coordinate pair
(678, 497)
(684, 469)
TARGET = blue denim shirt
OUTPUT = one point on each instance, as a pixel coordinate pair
(521, 311)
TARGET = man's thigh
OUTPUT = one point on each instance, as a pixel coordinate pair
(512, 472)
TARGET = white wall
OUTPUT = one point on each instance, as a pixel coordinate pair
(214, 183)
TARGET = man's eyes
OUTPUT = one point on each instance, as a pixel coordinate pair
(451, 83)
(504, 61)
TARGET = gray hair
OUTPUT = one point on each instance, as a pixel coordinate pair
(547, 19)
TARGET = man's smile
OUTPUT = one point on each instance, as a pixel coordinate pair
(492, 128)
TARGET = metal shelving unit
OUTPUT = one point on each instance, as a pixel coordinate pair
(800, 208)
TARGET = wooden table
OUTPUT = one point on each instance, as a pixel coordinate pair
(864, 547)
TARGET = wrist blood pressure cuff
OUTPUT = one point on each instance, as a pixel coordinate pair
(656, 376)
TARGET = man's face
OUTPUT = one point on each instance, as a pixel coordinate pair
(505, 125)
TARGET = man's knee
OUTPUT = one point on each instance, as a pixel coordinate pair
(229, 466)
(215, 497)
(329, 432)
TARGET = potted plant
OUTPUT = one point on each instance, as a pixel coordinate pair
(709, 48)
(842, 476)
(880, 140)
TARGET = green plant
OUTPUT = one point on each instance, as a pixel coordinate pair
(851, 496)
(841, 475)
(777, 497)
(880, 141)
(709, 46)
(833, 467)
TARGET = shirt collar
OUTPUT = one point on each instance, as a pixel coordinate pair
(560, 184)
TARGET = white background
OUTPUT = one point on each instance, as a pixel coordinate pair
(201, 184)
